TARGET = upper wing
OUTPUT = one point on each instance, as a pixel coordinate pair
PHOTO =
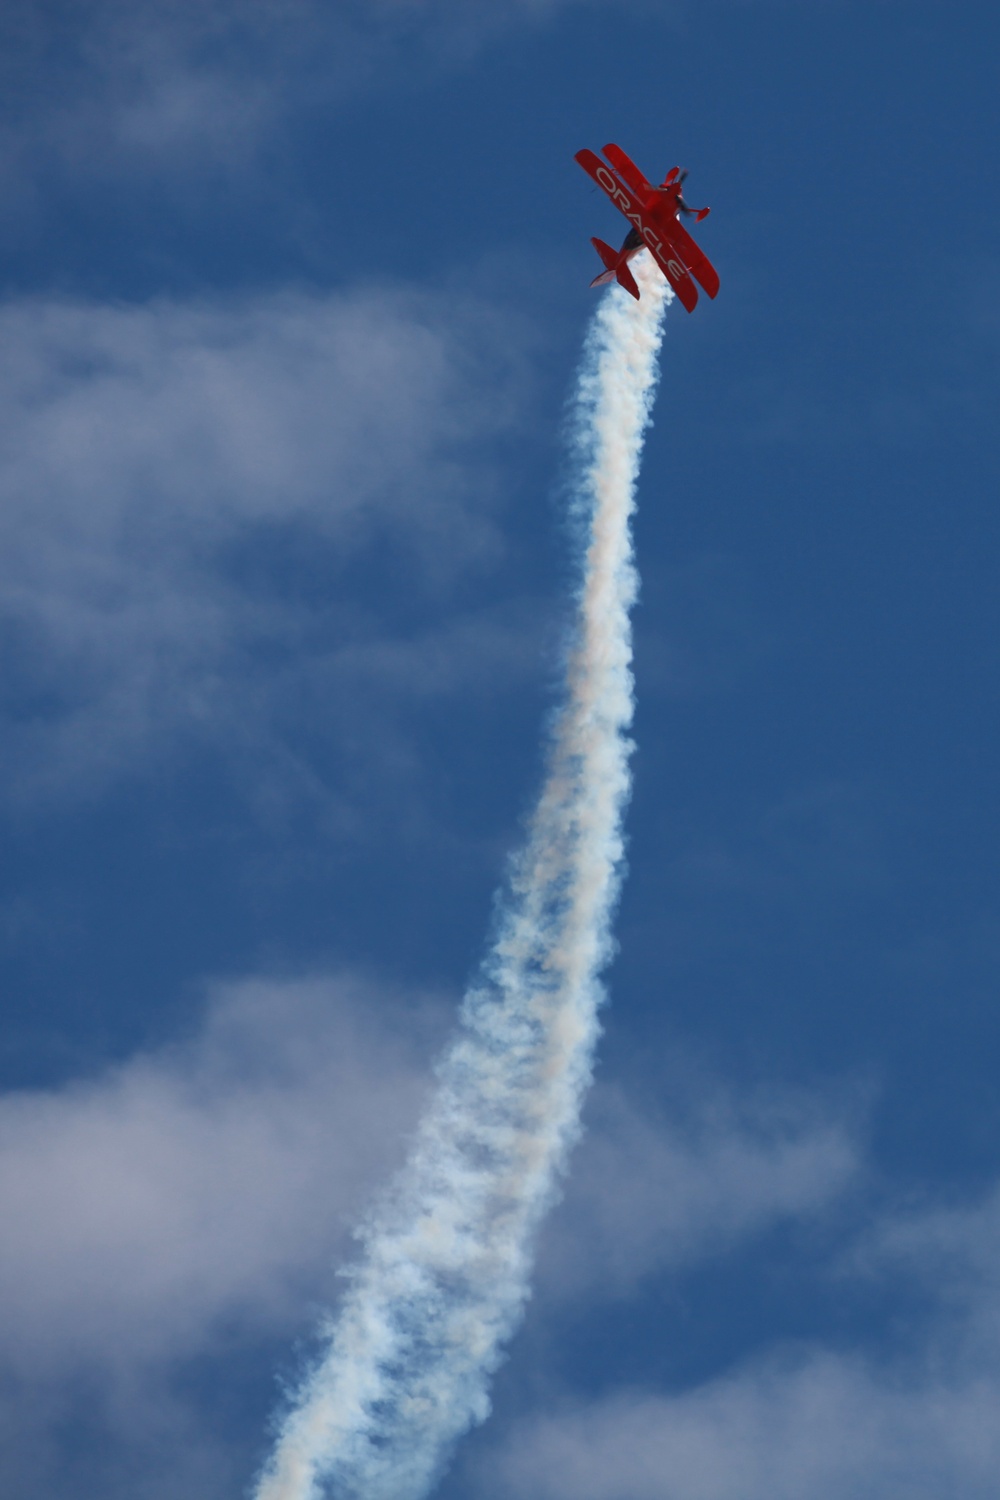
(692, 254)
(628, 172)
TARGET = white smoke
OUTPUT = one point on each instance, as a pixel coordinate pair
(447, 1254)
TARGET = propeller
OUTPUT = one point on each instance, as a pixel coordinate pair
(691, 213)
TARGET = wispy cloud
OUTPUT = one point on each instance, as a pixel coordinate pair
(825, 1425)
(184, 1206)
(653, 1193)
(174, 86)
(200, 1181)
(184, 490)
(190, 1204)
(914, 1412)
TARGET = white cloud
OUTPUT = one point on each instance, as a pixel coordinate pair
(951, 1254)
(170, 1215)
(651, 1194)
(194, 1200)
(183, 85)
(154, 458)
(826, 1427)
(918, 1417)
(208, 1181)
(113, 86)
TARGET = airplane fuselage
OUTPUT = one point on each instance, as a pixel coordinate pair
(653, 216)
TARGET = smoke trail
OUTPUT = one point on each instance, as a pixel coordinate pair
(444, 1275)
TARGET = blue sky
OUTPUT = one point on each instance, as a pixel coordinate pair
(292, 300)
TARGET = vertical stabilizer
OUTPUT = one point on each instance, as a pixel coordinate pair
(626, 279)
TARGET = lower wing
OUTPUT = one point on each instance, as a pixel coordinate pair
(693, 256)
(677, 274)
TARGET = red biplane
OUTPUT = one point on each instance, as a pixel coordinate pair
(653, 213)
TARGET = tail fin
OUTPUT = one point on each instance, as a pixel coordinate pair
(616, 264)
(609, 256)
